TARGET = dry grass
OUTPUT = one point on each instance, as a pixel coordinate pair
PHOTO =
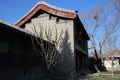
(103, 78)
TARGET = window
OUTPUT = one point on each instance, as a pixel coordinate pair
(57, 20)
(51, 17)
(61, 20)
(43, 15)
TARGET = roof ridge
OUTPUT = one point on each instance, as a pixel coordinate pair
(55, 7)
(48, 5)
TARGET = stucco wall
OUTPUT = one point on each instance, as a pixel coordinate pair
(108, 65)
(67, 52)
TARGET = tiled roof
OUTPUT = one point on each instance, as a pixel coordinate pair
(114, 53)
(48, 5)
(54, 7)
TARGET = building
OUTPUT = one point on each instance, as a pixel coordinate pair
(110, 58)
(17, 43)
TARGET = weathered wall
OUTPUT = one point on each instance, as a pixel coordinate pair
(108, 65)
(67, 52)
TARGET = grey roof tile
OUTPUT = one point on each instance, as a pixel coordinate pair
(51, 6)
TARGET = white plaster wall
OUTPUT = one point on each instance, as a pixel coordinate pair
(65, 26)
(108, 65)
(46, 24)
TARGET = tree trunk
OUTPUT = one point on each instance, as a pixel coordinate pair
(96, 54)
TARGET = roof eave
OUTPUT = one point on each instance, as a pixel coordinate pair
(49, 9)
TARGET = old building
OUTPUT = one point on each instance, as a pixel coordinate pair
(44, 15)
(112, 57)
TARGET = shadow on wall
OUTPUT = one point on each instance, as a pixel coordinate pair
(66, 66)
(63, 68)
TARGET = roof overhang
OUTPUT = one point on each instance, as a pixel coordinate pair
(49, 9)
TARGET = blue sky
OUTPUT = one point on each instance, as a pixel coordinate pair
(13, 10)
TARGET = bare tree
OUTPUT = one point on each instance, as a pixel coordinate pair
(88, 19)
(116, 8)
(99, 28)
(110, 46)
(45, 43)
(116, 4)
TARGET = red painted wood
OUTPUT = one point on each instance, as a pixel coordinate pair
(46, 9)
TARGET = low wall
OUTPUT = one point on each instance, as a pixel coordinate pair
(108, 65)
